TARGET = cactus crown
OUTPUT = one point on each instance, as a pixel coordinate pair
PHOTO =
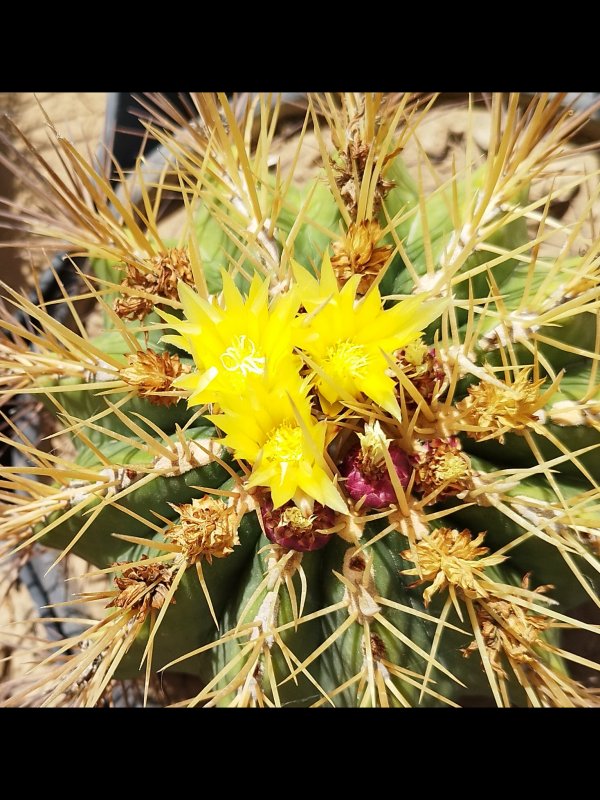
(337, 441)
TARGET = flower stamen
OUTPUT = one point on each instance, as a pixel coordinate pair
(242, 356)
(346, 359)
(284, 444)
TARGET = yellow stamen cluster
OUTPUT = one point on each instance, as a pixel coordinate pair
(294, 517)
(207, 529)
(151, 373)
(414, 353)
(496, 407)
(358, 254)
(373, 446)
(446, 557)
(346, 359)
(284, 444)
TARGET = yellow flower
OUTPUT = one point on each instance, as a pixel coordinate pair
(275, 432)
(235, 345)
(347, 340)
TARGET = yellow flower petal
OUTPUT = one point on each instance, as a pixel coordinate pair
(344, 339)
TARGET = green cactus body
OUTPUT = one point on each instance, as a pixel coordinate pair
(98, 545)
(188, 624)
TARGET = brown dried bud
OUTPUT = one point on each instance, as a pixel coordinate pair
(358, 254)
(132, 307)
(142, 587)
(151, 372)
(160, 278)
(353, 161)
(170, 268)
(207, 528)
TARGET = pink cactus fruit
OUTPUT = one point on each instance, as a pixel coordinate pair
(366, 471)
(291, 528)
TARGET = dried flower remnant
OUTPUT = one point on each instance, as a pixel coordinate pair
(441, 462)
(163, 273)
(508, 629)
(131, 306)
(151, 373)
(290, 528)
(448, 557)
(497, 409)
(350, 168)
(421, 365)
(142, 587)
(207, 529)
(172, 267)
(366, 471)
(358, 254)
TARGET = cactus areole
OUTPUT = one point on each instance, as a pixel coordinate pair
(336, 444)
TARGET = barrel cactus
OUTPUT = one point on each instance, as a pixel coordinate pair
(336, 442)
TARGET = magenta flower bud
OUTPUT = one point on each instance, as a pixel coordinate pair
(291, 529)
(366, 472)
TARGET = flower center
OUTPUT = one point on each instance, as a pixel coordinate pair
(373, 444)
(243, 356)
(345, 359)
(296, 520)
(414, 352)
(451, 467)
(284, 443)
